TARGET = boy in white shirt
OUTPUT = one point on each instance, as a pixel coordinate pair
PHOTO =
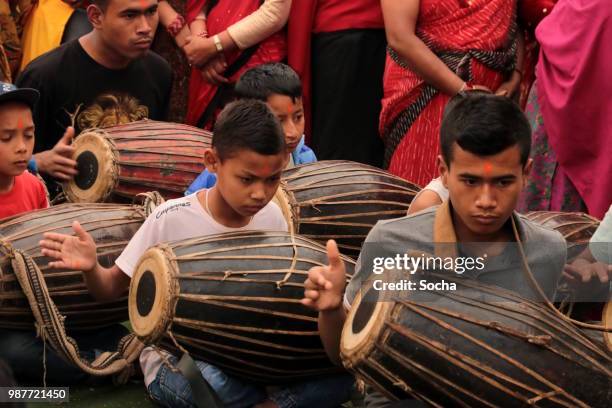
(248, 155)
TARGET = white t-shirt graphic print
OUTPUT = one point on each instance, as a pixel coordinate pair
(185, 218)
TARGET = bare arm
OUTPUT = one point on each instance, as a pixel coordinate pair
(400, 25)
(166, 16)
(426, 199)
(106, 283)
(323, 292)
(330, 330)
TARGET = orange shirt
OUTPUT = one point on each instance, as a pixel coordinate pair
(28, 193)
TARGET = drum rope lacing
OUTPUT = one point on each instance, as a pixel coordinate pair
(536, 286)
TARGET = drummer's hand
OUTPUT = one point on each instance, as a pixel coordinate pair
(71, 252)
(58, 161)
(583, 271)
(325, 284)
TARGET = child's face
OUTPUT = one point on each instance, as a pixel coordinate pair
(247, 180)
(16, 138)
(290, 115)
(484, 190)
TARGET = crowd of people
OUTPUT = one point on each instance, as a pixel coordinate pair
(439, 92)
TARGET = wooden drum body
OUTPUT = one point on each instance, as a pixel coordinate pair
(577, 228)
(119, 162)
(476, 346)
(233, 300)
(341, 200)
(111, 226)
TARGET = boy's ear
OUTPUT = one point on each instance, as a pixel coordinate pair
(94, 14)
(211, 159)
(442, 170)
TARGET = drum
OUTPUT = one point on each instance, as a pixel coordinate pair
(475, 346)
(233, 300)
(111, 226)
(577, 228)
(341, 200)
(118, 162)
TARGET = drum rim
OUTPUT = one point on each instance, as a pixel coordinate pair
(97, 142)
(151, 327)
(606, 319)
(286, 202)
(354, 347)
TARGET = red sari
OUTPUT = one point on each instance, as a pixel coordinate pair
(477, 40)
(224, 14)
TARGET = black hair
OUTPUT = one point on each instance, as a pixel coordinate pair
(484, 124)
(247, 124)
(264, 80)
(102, 4)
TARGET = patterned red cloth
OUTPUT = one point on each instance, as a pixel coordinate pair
(445, 25)
(223, 15)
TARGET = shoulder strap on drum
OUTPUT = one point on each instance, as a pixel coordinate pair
(203, 394)
(50, 324)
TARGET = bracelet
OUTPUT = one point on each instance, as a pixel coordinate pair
(217, 42)
(203, 18)
(176, 25)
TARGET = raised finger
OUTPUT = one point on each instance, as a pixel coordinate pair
(48, 244)
(54, 236)
(51, 253)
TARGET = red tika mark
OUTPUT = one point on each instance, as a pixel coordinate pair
(488, 168)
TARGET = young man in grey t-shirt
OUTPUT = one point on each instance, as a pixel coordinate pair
(485, 142)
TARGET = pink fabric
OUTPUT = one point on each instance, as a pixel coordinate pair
(575, 95)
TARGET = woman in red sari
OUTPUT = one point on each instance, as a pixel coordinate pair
(218, 58)
(438, 48)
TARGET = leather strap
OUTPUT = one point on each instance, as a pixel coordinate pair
(203, 394)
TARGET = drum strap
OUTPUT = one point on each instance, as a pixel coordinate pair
(203, 394)
(50, 324)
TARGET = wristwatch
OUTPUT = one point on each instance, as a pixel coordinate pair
(217, 42)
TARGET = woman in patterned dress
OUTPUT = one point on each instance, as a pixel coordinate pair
(438, 48)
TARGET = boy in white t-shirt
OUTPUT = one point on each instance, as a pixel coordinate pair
(248, 155)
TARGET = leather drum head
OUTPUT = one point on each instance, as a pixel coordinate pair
(97, 166)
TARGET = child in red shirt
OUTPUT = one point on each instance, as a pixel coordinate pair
(20, 191)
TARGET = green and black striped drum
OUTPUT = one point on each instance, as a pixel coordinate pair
(233, 300)
(341, 200)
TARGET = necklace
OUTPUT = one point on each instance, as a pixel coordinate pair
(207, 208)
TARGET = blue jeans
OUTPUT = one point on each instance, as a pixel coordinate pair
(23, 352)
(171, 389)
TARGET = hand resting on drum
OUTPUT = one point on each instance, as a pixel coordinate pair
(58, 161)
(78, 252)
(324, 289)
